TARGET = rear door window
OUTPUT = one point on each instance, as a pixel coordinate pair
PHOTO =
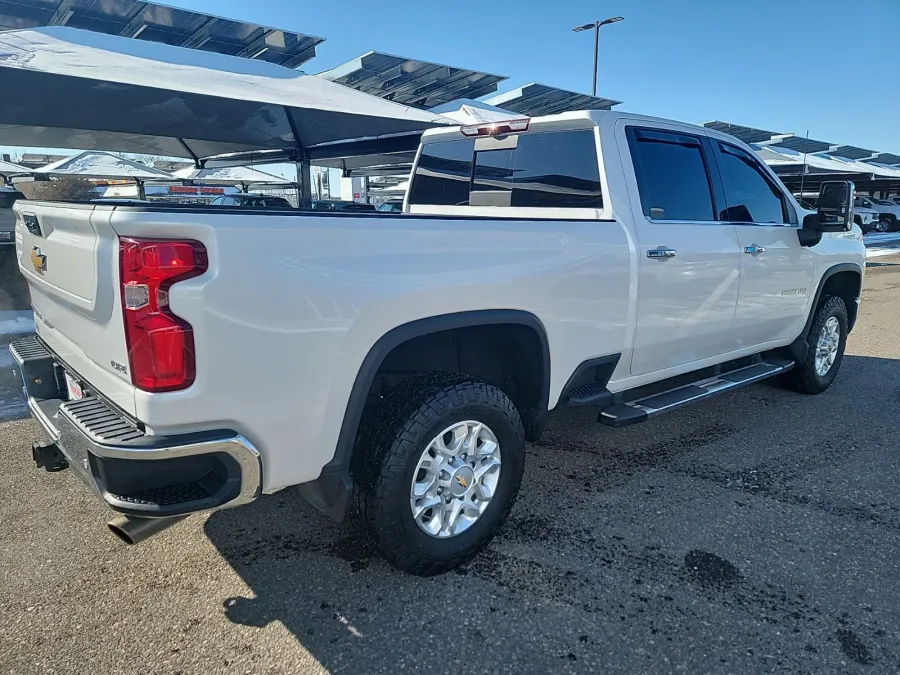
(751, 196)
(443, 174)
(672, 175)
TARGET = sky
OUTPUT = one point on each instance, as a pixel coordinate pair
(829, 67)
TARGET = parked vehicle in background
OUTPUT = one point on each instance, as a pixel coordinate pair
(888, 212)
(251, 201)
(866, 218)
(185, 363)
(339, 205)
(392, 206)
(8, 197)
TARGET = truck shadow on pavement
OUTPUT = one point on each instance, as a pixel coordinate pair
(634, 549)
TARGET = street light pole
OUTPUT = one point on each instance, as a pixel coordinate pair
(596, 26)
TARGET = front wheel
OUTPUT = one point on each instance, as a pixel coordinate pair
(444, 458)
(883, 226)
(827, 340)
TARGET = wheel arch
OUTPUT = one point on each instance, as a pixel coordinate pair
(843, 280)
(330, 492)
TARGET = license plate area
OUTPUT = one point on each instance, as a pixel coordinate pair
(74, 388)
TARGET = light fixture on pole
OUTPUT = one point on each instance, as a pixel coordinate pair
(596, 26)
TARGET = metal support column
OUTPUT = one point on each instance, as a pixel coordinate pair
(304, 183)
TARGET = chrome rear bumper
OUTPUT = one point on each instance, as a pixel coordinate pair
(133, 472)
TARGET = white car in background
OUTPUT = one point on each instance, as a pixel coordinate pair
(888, 212)
(8, 197)
(868, 219)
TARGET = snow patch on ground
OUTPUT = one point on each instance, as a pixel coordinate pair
(16, 322)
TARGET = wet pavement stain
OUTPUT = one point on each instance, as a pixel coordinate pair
(355, 549)
(710, 570)
(853, 647)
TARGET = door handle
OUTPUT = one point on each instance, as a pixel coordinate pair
(754, 250)
(661, 253)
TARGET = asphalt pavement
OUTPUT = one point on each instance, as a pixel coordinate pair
(758, 532)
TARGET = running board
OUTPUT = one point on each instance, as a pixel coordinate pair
(639, 410)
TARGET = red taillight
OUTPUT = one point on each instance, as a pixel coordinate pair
(160, 344)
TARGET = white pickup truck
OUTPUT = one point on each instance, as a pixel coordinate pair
(190, 359)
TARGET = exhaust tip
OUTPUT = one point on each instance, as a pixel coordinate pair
(135, 530)
(117, 527)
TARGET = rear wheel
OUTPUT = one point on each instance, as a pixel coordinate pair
(444, 459)
(827, 340)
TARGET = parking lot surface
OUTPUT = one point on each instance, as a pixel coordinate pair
(757, 532)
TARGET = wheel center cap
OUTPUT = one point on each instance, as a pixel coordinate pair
(461, 481)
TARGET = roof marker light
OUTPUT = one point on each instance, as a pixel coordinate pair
(496, 128)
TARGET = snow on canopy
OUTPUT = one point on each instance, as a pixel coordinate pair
(116, 93)
(10, 169)
(468, 111)
(231, 174)
(94, 164)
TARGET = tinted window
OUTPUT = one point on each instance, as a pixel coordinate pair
(557, 170)
(751, 196)
(278, 202)
(493, 170)
(443, 174)
(672, 178)
(7, 199)
(492, 180)
(225, 201)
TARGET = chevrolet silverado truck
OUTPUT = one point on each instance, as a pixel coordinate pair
(190, 358)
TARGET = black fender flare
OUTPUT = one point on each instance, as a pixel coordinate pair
(331, 492)
(798, 348)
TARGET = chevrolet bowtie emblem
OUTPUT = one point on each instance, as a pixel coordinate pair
(462, 481)
(39, 260)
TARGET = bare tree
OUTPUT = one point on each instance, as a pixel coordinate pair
(146, 160)
(63, 189)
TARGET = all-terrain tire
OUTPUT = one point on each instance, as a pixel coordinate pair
(803, 377)
(390, 446)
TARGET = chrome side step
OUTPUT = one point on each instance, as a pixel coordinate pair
(639, 410)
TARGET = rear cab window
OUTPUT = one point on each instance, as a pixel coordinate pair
(538, 173)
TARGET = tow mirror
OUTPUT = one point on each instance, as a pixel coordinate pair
(835, 208)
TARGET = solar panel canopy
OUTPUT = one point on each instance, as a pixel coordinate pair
(417, 83)
(800, 144)
(536, 99)
(158, 23)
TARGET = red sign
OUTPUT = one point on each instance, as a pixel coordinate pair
(191, 190)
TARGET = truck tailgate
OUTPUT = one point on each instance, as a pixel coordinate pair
(68, 253)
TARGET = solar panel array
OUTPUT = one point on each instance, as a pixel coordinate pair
(536, 99)
(411, 82)
(776, 140)
(158, 23)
